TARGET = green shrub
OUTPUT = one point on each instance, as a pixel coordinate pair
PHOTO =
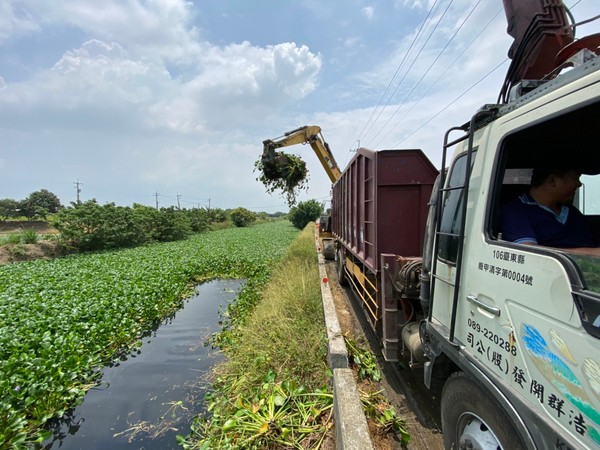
(241, 217)
(304, 213)
(90, 226)
(221, 225)
(199, 219)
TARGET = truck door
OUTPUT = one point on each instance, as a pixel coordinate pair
(528, 315)
(450, 229)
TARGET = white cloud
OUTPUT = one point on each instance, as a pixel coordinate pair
(134, 92)
(238, 82)
(352, 41)
(241, 84)
(145, 56)
(14, 21)
(155, 28)
(414, 4)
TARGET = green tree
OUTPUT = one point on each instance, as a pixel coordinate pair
(217, 215)
(9, 208)
(199, 219)
(304, 213)
(242, 217)
(40, 204)
(90, 226)
(81, 225)
(147, 218)
(172, 225)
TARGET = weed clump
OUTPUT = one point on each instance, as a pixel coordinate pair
(282, 171)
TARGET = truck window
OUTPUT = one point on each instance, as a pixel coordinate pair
(569, 138)
(588, 199)
(588, 202)
(451, 220)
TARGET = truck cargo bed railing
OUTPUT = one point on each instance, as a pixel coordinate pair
(365, 289)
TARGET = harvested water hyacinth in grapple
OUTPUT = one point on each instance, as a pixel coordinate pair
(283, 171)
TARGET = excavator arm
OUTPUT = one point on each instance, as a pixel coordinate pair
(304, 135)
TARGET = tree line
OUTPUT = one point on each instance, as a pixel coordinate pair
(37, 205)
(86, 226)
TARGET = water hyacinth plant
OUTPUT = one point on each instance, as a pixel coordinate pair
(62, 320)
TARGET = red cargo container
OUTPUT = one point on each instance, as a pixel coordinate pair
(380, 204)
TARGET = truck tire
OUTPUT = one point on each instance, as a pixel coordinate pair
(340, 267)
(472, 419)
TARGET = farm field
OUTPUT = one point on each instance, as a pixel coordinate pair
(62, 320)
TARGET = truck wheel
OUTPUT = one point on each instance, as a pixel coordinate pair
(471, 419)
(339, 264)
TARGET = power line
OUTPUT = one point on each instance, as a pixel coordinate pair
(406, 73)
(360, 133)
(443, 73)
(452, 102)
(428, 69)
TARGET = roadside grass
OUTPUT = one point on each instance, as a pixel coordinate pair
(273, 391)
(287, 326)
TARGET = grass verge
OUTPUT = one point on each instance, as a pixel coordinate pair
(273, 392)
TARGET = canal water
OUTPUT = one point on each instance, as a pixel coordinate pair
(151, 396)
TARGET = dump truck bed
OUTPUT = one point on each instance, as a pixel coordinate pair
(380, 204)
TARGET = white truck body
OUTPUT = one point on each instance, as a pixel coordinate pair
(522, 322)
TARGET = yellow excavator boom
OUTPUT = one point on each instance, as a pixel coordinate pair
(310, 134)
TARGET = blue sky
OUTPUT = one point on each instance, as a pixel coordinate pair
(138, 97)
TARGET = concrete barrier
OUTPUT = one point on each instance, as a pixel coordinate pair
(351, 431)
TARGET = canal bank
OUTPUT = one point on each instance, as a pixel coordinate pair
(150, 396)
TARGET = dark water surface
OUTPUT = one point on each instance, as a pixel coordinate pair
(152, 396)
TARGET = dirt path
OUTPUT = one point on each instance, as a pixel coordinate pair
(401, 387)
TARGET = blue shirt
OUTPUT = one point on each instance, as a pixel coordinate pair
(525, 220)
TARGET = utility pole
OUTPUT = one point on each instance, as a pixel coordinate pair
(156, 197)
(178, 205)
(77, 184)
(209, 204)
